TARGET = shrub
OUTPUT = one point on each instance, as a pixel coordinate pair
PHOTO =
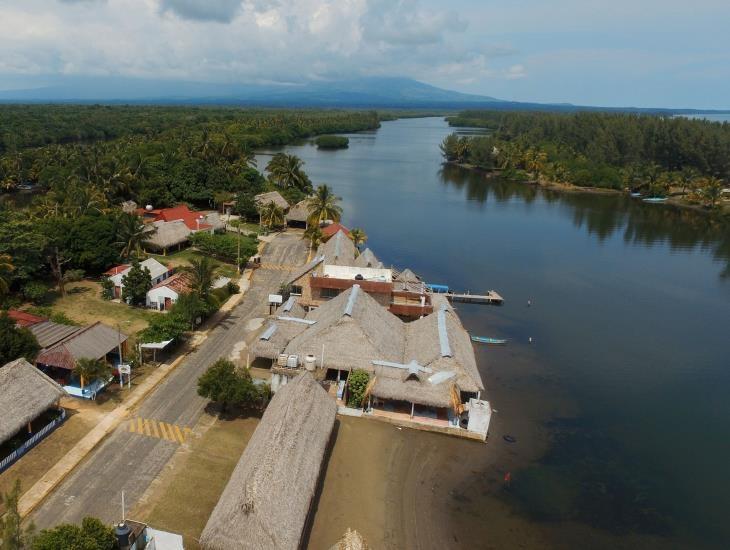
(233, 288)
(35, 291)
(226, 385)
(107, 288)
(224, 247)
(356, 385)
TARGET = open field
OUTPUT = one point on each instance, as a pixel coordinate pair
(83, 304)
(184, 495)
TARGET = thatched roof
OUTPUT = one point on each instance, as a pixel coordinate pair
(367, 259)
(299, 212)
(25, 392)
(92, 342)
(407, 276)
(356, 331)
(272, 196)
(339, 250)
(351, 540)
(303, 270)
(214, 220)
(268, 499)
(168, 234)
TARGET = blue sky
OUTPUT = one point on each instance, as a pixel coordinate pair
(618, 53)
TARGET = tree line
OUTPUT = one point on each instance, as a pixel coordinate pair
(655, 155)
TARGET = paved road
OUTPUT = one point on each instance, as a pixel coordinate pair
(128, 461)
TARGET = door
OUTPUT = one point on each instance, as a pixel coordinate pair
(168, 303)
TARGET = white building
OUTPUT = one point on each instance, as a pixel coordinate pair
(158, 273)
(165, 293)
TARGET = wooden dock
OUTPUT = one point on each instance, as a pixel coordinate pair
(490, 297)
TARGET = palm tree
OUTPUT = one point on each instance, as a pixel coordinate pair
(314, 235)
(133, 234)
(358, 237)
(6, 268)
(712, 190)
(286, 172)
(324, 205)
(91, 369)
(202, 271)
(272, 215)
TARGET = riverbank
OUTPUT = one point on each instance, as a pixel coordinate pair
(722, 211)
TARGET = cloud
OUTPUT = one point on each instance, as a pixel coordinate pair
(222, 11)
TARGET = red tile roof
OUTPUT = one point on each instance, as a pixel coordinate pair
(179, 282)
(329, 230)
(24, 319)
(116, 269)
(182, 212)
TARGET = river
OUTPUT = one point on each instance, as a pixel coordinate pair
(615, 380)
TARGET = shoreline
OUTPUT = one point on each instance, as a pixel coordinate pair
(571, 188)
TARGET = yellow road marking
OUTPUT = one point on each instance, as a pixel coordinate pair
(158, 429)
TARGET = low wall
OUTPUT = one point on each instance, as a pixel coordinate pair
(32, 442)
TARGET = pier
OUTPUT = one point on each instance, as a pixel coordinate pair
(491, 297)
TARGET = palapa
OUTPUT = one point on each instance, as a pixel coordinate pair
(25, 393)
(268, 499)
(263, 199)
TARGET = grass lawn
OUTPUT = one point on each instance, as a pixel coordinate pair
(183, 497)
(183, 257)
(83, 304)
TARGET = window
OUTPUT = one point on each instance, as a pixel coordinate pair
(329, 293)
(296, 290)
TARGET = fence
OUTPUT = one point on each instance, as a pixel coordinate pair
(32, 442)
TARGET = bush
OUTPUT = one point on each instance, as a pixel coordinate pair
(222, 383)
(332, 142)
(16, 342)
(356, 385)
(107, 288)
(224, 247)
(92, 534)
(233, 288)
(35, 291)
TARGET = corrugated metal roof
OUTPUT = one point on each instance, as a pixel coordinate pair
(351, 300)
(49, 333)
(269, 332)
(443, 334)
(92, 342)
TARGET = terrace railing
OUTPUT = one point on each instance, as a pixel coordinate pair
(32, 442)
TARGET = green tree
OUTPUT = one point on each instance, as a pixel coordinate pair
(91, 535)
(223, 384)
(286, 171)
(6, 271)
(107, 288)
(12, 535)
(16, 342)
(324, 205)
(272, 215)
(165, 327)
(712, 190)
(136, 284)
(133, 234)
(357, 383)
(314, 235)
(358, 236)
(190, 307)
(89, 370)
(202, 272)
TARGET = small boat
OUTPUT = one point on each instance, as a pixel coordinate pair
(655, 199)
(636, 195)
(485, 340)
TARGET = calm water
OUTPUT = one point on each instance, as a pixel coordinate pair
(630, 328)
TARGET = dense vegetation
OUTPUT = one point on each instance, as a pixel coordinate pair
(332, 142)
(654, 154)
(85, 161)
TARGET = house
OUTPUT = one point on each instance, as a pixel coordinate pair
(158, 273)
(164, 294)
(96, 341)
(26, 395)
(298, 214)
(47, 333)
(329, 231)
(422, 371)
(263, 199)
(175, 225)
(269, 499)
(337, 266)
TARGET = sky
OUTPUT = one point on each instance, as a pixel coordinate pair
(644, 53)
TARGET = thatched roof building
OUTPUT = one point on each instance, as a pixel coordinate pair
(267, 502)
(419, 362)
(351, 540)
(299, 212)
(25, 393)
(367, 259)
(168, 234)
(272, 196)
(339, 250)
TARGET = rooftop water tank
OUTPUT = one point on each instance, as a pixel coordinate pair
(281, 362)
(292, 362)
(148, 207)
(310, 363)
(122, 532)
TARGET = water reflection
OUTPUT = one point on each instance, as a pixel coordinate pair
(604, 215)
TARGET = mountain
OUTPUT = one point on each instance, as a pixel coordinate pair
(360, 92)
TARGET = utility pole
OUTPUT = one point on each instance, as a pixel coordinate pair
(238, 261)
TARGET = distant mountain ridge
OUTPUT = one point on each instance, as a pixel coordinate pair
(371, 91)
